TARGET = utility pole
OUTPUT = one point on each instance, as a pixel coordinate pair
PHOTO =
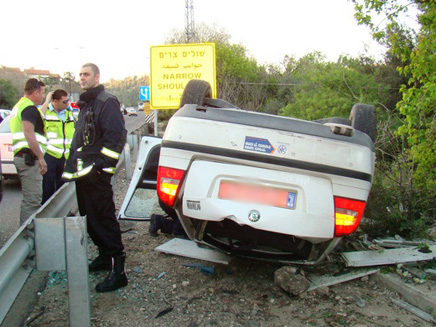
(189, 22)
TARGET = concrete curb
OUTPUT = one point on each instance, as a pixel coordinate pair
(426, 301)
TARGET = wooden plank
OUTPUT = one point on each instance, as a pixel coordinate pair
(190, 249)
(387, 257)
(421, 314)
(424, 300)
(321, 281)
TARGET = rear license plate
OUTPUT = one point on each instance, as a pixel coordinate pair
(258, 194)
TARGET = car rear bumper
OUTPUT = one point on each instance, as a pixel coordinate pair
(8, 168)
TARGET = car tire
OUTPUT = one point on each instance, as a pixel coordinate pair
(363, 119)
(196, 91)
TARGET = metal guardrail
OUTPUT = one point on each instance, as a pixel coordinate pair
(17, 256)
(29, 249)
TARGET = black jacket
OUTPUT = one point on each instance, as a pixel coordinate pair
(99, 136)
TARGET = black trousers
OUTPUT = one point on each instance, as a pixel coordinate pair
(52, 181)
(95, 200)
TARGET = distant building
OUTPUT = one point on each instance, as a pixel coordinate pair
(18, 78)
(42, 74)
(8, 72)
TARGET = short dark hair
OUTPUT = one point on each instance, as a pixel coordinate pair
(58, 94)
(94, 68)
(32, 85)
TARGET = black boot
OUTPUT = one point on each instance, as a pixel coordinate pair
(103, 262)
(117, 278)
(155, 224)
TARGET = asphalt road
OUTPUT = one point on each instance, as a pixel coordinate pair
(10, 205)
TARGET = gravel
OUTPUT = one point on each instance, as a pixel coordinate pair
(164, 291)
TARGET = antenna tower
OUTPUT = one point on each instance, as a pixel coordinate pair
(189, 24)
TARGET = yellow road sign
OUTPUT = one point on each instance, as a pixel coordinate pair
(173, 66)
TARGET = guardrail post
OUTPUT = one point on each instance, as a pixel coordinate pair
(76, 246)
(127, 161)
(62, 244)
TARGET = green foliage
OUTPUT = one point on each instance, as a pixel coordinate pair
(240, 80)
(324, 89)
(418, 104)
(8, 94)
(127, 90)
(233, 63)
(411, 166)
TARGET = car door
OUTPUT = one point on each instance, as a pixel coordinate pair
(141, 198)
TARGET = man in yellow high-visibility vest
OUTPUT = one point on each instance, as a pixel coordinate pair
(28, 143)
(59, 122)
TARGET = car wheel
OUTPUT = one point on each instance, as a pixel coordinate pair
(196, 91)
(363, 119)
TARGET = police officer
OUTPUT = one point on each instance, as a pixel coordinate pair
(28, 144)
(59, 122)
(98, 140)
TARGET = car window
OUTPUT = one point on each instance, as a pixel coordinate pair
(5, 126)
(4, 113)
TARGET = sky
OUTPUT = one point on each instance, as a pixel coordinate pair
(60, 35)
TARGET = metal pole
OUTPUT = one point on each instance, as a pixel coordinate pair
(76, 246)
(155, 123)
(127, 161)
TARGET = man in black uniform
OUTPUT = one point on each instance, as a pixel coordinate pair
(98, 141)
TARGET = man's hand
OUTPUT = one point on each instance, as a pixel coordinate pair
(46, 102)
(42, 166)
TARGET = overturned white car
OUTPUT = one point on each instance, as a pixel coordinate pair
(259, 185)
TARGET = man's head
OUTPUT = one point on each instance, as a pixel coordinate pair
(60, 100)
(34, 90)
(89, 76)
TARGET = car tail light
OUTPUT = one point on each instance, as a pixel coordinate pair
(347, 215)
(168, 182)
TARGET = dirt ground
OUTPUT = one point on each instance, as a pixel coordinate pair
(162, 291)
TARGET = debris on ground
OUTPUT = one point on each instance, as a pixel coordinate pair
(291, 280)
(388, 256)
(170, 290)
(414, 310)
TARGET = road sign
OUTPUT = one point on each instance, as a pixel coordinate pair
(144, 93)
(173, 66)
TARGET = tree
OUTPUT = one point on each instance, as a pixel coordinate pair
(325, 89)
(8, 94)
(239, 77)
(127, 89)
(415, 50)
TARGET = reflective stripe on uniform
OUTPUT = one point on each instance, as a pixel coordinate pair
(52, 118)
(110, 170)
(59, 141)
(54, 149)
(20, 136)
(84, 171)
(67, 175)
(20, 145)
(109, 153)
(77, 174)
